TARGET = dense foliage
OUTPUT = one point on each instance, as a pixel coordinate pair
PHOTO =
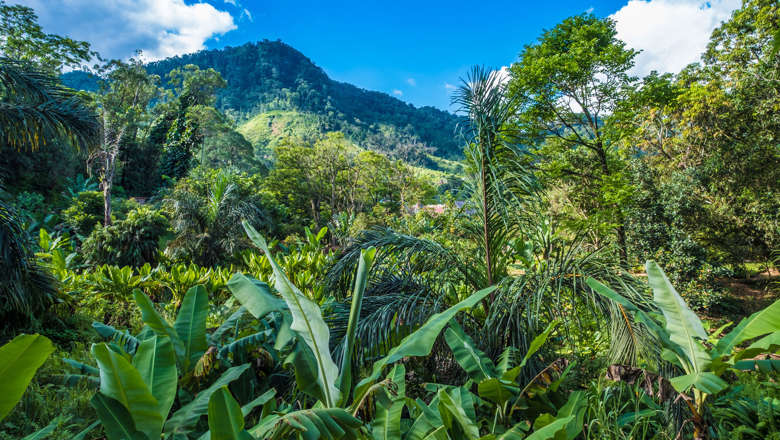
(230, 245)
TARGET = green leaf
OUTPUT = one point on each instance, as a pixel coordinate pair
(19, 360)
(552, 429)
(260, 400)
(48, 429)
(535, 345)
(764, 365)
(684, 327)
(361, 278)
(83, 434)
(454, 412)
(478, 366)
(228, 325)
(420, 342)
(387, 421)
(226, 421)
(185, 417)
(758, 324)
(496, 390)
(768, 344)
(190, 325)
(633, 417)
(156, 363)
(120, 381)
(575, 406)
(255, 295)
(608, 293)
(389, 406)
(156, 322)
(309, 424)
(706, 382)
(116, 420)
(307, 323)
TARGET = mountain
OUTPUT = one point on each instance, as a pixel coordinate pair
(271, 76)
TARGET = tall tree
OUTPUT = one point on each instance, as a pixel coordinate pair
(569, 83)
(127, 93)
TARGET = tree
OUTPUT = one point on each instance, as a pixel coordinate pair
(568, 85)
(123, 105)
(715, 126)
(22, 39)
(185, 136)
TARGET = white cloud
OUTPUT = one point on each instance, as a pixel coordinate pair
(231, 2)
(116, 28)
(247, 14)
(503, 74)
(449, 86)
(397, 92)
(670, 33)
(411, 82)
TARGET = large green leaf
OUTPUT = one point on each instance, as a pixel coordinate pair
(120, 381)
(19, 360)
(478, 366)
(257, 298)
(156, 363)
(684, 327)
(703, 381)
(768, 344)
(307, 323)
(226, 421)
(185, 417)
(361, 278)
(190, 325)
(116, 420)
(420, 342)
(575, 406)
(389, 406)
(310, 424)
(549, 431)
(156, 322)
(758, 324)
(453, 412)
(255, 295)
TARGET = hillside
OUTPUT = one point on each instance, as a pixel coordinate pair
(272, 76)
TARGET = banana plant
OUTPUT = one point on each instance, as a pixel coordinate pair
(19, 360)
(683, 338)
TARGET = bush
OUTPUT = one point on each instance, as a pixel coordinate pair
(133, 241)
(85, 212)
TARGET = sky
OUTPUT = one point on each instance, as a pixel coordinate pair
(414, 50)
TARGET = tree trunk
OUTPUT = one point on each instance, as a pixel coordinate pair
(108, 177)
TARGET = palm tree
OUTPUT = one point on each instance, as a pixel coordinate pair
(36, 108)
(412, 277)
(208, 225)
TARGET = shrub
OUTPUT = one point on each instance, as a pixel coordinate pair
(85, 212)
(133, 241)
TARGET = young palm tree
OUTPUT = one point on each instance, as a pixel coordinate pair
(410, 277)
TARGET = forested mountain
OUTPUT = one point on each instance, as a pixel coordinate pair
(271, 75)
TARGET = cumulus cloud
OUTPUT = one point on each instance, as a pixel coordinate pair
(411, 81)
(116, 28)
(397, 92)
(670, 33)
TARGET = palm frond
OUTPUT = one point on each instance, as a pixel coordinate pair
(35, 108)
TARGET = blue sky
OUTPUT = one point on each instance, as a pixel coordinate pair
(415, 50)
